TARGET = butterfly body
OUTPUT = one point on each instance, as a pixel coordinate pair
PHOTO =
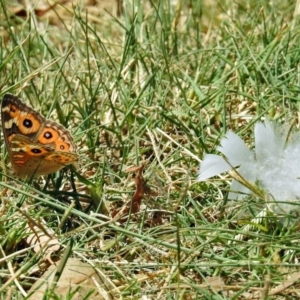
(36, 146)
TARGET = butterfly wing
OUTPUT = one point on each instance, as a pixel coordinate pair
(18, 118)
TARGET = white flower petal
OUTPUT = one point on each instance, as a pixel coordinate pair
(269, 143)
(234, 148)
(212, 165)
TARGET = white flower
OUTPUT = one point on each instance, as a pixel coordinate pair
(274, 167)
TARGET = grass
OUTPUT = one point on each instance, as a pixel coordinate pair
(156, 86)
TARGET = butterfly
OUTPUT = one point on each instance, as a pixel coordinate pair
(36, 146)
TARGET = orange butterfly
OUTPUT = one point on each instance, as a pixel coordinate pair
(36, 146)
